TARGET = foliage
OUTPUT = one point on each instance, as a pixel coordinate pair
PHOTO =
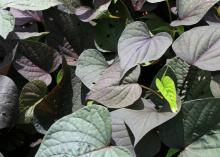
(117, 78)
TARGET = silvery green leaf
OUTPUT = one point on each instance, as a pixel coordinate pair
(86, 132)
(91, 64)
(7, 22)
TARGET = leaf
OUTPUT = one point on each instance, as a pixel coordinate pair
(192, 83)
(199, 47)
(120, 134)
(142, 121)
(7, 22)
(8, 103)
(138, 4)
(70, 39)
(36, 61)
(85, 132)
(200, 116)
(192, 11)
(136, 45)
(111, 92)
(212, 17)
(24, 17)
(62, 100)
(87, 14)
(207, 145)
(29, 5)
(215, 84)
(172, 152)
(167, 88)
(90, 66)
(8, 49)
(30, 71)
(32, 93)
(107, 34)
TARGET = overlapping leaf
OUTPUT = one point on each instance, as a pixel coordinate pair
(8, 103)
(192, 83)
(120, 134)
(70, 39)
(142, 121)
(85, 132)
(199, 47)
(36, 60)
(207, 145)
(87, 14)
(114, 93)
(31, 94)
(63, 99)
(91, 64)
(137, 45)
(192, 11)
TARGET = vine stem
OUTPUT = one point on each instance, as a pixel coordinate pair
(169, 10)
(151, 90)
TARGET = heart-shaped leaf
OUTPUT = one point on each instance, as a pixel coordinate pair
(113, 93)
(7, 22)
(86, 132)
(91, 64)
(36, 60)
(167, 88)
(192, 11)
(215, 84)
(8, 103)
(142, 121)
(70, 39)
(29, 5)
(199, 47)
(137, 45)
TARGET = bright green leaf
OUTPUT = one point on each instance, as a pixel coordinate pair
(167, 88)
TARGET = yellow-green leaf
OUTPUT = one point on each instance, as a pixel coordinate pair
(167, 88)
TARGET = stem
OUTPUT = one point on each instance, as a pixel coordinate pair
(169, 9)
(151, 90)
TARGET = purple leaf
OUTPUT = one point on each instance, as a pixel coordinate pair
(200, 47)
(109, 90)
(137, 45)
(23, 17)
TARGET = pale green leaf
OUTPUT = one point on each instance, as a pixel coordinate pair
(7, 22)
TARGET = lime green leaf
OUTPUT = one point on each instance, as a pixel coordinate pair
(171, 152)
(59, 76)
(167, 88)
